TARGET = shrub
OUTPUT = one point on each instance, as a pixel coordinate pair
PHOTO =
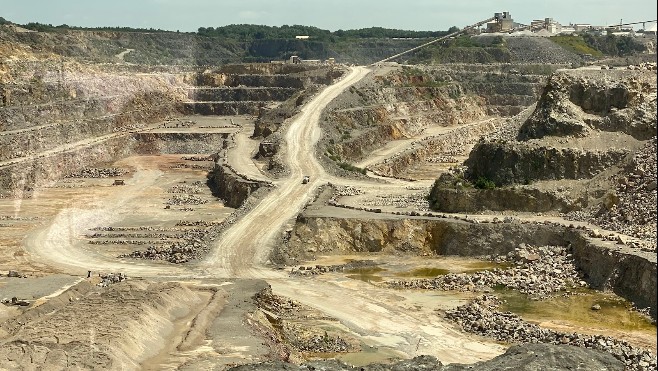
(350, 167)
(484, 183)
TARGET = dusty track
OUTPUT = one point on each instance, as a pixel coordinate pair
(245, 245)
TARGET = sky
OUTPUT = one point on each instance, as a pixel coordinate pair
(424, 15)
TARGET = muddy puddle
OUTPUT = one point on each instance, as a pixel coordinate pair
(573, 313)
(369, 274)
(614, 314)
(385, 270)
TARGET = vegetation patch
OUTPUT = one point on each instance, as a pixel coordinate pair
(350, 167)
(484, 183)
(576, 44)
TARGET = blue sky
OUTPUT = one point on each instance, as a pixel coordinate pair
(189, 15)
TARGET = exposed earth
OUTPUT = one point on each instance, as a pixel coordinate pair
(262, 216)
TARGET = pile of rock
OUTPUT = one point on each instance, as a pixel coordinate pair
(186, 199)
(539, 272)
(98, 173)
(417, 201)
(111, 278)
(197, 158)
(188, 189)
(482, 317)
(285, 313)
(191, 166)
(16, 274)
(15, 301)
(320, 269)
(313, 342)
(127, 242)
(632, 208)
(177, 252)
(539, 50)
(442, 159)
(195, 223)
(648, 66)
(346, 191)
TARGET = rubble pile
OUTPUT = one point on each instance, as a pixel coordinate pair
(284, 313)
(346, 191)
(195, 223)
(632, 208)
(111, 278)
(191, 166)
(314, 342)
(443, 159)
(98, 173)
(482, 317)
(185, 188)
(539, 272)
(320, 269)
(197, 158)
(177, 252)
(186, 199)
(417, 202)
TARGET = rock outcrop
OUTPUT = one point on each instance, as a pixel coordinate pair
(629, 272)
(575, 102)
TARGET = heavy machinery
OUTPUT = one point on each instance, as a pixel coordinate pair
(306, 179)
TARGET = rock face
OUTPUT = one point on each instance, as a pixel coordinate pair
(313, 235)
(632, 206)
(574, 105)
(405, 102)
(629, 273)
(447, 196)
(157, 143)
(230, 186)
(612, 100)
(521, 163)
(21, 178)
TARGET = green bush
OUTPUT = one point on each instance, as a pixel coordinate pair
(484, 183)
(350, 167)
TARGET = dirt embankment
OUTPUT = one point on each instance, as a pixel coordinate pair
(88, 328)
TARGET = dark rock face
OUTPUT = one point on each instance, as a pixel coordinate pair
(509, 163)
(535, 357)
(446, 196)
(232, 188)
(529, 357)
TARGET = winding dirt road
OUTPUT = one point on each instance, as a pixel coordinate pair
(243, 248)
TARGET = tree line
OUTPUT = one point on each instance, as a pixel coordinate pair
(249, 32)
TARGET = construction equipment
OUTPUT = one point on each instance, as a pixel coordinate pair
(306, 179)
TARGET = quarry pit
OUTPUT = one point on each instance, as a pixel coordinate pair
(156, 217)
